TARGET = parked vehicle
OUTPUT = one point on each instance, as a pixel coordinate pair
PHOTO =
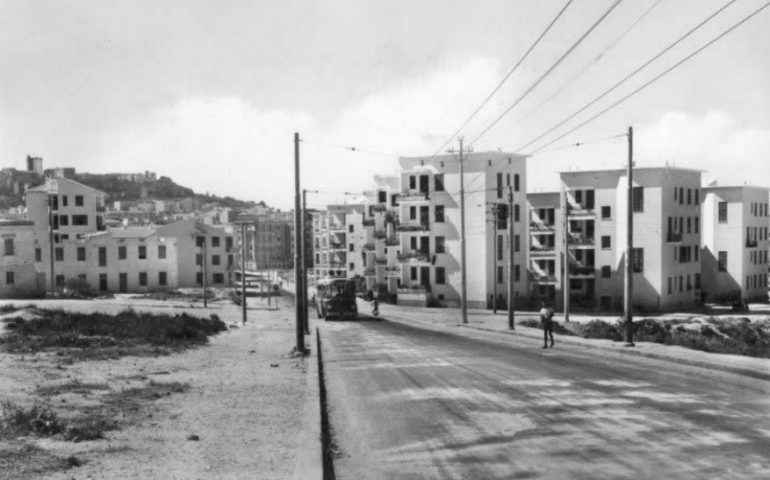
(336, 298)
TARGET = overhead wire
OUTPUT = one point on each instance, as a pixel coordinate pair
(654, 79)
(547, 72)
(349, 148)
(505, 78)
(588, 66)
(628, 76)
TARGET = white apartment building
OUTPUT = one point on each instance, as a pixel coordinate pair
(382, 244)
(430, 229)
(666, 239)
(18, 275)
(338, 241)
(735, 243)
(546, 253)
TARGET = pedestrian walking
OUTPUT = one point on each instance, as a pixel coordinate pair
(546, 320)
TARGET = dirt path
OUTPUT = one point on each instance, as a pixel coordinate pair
(244, 402)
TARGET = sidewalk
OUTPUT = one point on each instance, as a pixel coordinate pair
(484, 320)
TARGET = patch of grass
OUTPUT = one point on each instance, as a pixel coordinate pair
(100, 335)
(29, 461)
(597, 329)
(74, 386)
(89, 427)
(38, 420)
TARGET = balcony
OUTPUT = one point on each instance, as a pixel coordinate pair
(369, 271)
(673, 237)
(368, 247)
(381, 261)
(414, 197)
(582, 271)
(337, 246)
(580, 240)
(380, 234)
(392, 241)
(368, 222)
(336, 227)
(540, 227)
(413, 227)
(392, 271)
(540, 277)
(414, 257)
(580, 211)
(380, 207)
(541, 251)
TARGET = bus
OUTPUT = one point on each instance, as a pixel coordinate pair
(335, 298)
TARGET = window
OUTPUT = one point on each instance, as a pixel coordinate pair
(382, 197)
(350, 228)
(500, 274)
(79, 220)
(606, 271)
(681, 195)
(9, 278)
(413, 273)
(64, 200)
(230, 260)
(689, 224)
(689, 196)
(606, 241)
(501, 210)
(589, 199)
(38, 254)
(215, 260)
(637, 259)
(697, 201)
(440, 275)
(199, 278)
(102, 256)
(78, 200)
(438, 182)
(516, 243)
(59, 281)
(669, 282)
(722, 207)
(606, 212)
(516, 182)
(103, 282)
(352, 247)
(637, 200)
(229, 243)
(412, 182)
(122, 252)
(142, 279)
(516, 212)
(64, 220)
(8, 247)
(162, 278)
(578, 196)
(351, 266)
(695, 251)
(516, 273)
(440, 247)
(198, 259)
(697, 224)
(413, 242)
(218, 278)
(81, 254)
(142, 252)
(438, 213)
(215, 242)
(59, 254)
(412, 213)
(161, 252)
(722, 261)
(394, 200)
(681, 284)
(499, 247)
(499, 185)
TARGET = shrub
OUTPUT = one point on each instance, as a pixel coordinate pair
(598, 329)
(648, 330)
(38, 419)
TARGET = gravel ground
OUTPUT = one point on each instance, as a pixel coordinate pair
(244, 404)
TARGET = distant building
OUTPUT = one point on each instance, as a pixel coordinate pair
(18, 274)
(193, 239)
(35, 164)
(735, 243)
(333, 247)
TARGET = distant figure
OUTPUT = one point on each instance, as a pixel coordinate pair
(546, 320)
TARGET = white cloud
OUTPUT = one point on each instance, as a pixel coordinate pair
(227, 146)
(715, 142)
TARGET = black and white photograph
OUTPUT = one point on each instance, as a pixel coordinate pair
(384, 240)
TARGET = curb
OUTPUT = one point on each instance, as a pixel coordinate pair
(309, 448)
(628, 351)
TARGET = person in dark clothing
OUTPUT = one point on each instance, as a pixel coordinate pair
(546, 320)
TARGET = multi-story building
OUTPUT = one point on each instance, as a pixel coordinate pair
(666, 225)
(546, 252)
(18, 276)
(735, 243)
(194, 240)
(381, 243)
(430, 229)
(338, 240)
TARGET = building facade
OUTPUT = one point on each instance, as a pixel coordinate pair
(19, 277)
(735, 243)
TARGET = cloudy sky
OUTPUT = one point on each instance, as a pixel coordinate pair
(211, 93)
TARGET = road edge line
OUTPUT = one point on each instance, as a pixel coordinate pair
(309, 464)
(325, 427)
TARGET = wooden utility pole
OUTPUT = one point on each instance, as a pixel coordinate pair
(243, 271)
(495, 213)
(304, 262)
(463, 270)
(299, 304)
(628, 332)
(565, 255)
(511, 294)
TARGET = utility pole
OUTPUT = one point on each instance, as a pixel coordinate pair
(304, 263)
(50, 241)
(299, 306)
(565, 255)
(628, 332)
(511, 294)
(243, 271)
(463, 272)
(495, 212)
(205, 272)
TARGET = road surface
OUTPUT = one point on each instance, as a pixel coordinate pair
(407, 402)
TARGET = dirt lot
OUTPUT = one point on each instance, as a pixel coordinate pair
(230, 409)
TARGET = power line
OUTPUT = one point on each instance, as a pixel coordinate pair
(665, 72)
(585, 142)
(350, 148)
(547, 72)
(505, 78)
(589, 65)
(627, 77)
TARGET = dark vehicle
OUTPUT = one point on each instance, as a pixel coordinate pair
(336, 298)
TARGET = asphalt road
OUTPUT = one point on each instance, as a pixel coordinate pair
(411, 403)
